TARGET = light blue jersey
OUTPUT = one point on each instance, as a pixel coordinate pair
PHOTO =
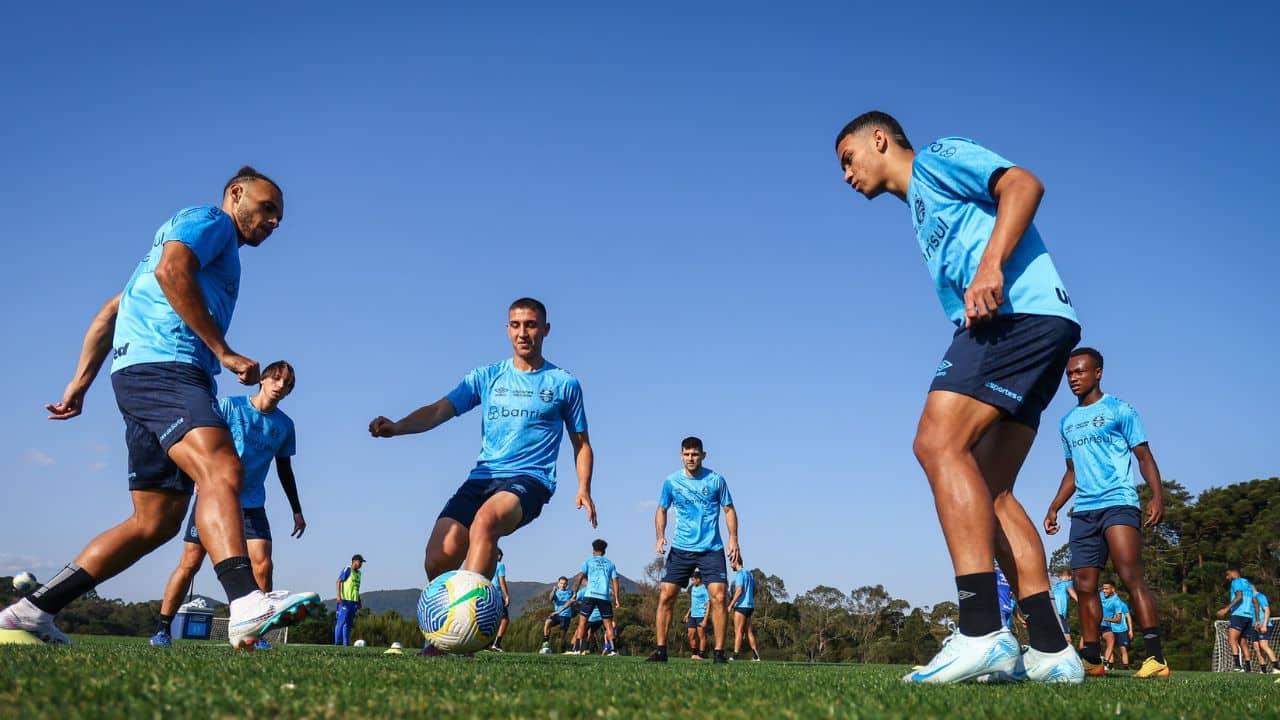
(698, 598)
(260, 438)
(147, 328)
(1099, 440)
(525, 414)
(1111, 606)
(1004, 595)
(599, 571)
(1263, 604)
(499, 572)
(1122, 608)
(954, 213)
(1060, 595)
(745, 580)
(561, 598)
(595, 614)
(1245, 588)
(698, 501)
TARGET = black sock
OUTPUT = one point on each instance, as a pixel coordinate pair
(546, 638)
(236, 576)
(497, 642)
(65, 587)
(979, 603)
(755, 653)
(662, 650)
(1043, 629)
(1092, 651)
(1151, 638)
(166, 624)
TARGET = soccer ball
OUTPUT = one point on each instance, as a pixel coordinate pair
(24, 582)
(544, 651)
(459, 612)
(358, 643)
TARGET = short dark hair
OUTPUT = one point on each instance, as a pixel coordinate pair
(1234, 568)
(599, 545)
(528, 303)
(876, 119)
(248, 172)
(1105, 581)
(279, 367)
(696, 574)
(692, 442)
(1097, 356)
(562, 578)
(499, 553)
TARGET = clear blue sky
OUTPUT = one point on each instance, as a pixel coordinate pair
(664, 178)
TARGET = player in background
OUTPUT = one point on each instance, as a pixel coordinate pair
(1116, 617)
(1241, 608)
(1063, 592)
(348, 600)
(742, 599)
(695, 618)
(1108, 638)
(599, 578)
(1101, 437)
(527, 404)
(262, 433)
(562, 602)
(594, 624)
(698, 493)
(1004, 594)
(972, 211)
(166, 334)
(500, 583)
(1262, 625)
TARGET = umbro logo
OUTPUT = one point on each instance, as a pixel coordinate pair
(943, 367)
(965, 594)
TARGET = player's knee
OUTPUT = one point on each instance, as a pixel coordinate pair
(931, 447)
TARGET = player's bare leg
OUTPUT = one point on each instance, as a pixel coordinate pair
(263, 566)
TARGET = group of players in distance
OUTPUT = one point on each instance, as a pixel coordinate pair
(1016, 333)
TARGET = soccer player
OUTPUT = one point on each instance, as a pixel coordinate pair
(1262, 612)
(1241, 609)
(1004, 595)
(262, 433)
(594, 623)
(1116, 617)
(348, 600)
(599, 578)
(1101, 436)
(972, 211)
(527, 404)
(500, 583)
(1063, 592)
(695, 618)
(698, 493)
(562, 601)
(166, 334)
(742, 598)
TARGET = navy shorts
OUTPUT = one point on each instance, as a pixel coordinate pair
(160, 403)
(254, 520)
(1122, 638)
(589, 604)
(473, 493)
(561, 620)
(1088, 540)
(1013, 362)
(746, 612)
(1241, 623)
(1062, 622)
(681, 564)
(695, 622)
(1252, 633)
(505, 615)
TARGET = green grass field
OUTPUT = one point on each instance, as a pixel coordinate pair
(125, 677)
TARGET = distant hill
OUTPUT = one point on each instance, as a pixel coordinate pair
(405, 601)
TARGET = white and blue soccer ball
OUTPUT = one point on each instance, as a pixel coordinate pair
(459, 612)
(24, 582)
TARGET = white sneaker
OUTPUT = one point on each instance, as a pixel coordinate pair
(966, 658)
(24, 616)
(1063, 666)
(253, 615)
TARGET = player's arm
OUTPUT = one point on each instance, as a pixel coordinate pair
(584, 461)
(93, 352)
(617, 593)
(1151, 473)
(1128, 621)
(1235, 600)
(419, 421)
(176, 275)
(1071, 591)
(284, 471)
(737, 593)
(506, 594)
(660, 525)
(1017, 194)
(731, 524)
(1065, 490)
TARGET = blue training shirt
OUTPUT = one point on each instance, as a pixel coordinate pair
(1004, 595)
(954, 213)
(499, 572)
(745, 580)
(1060, 595)
(525, 414)
(1245, 608)
(1263, 604)
(1099, 440)
(1110, 607)
(562, 598)
(260, 438)
(698, 501)
(148, 330)
(599, 570)
(595, 614)
(1121, 607)
(698, 597)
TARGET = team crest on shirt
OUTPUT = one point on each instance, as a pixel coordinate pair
(1099, 421)
(920, 210)
(546, 395)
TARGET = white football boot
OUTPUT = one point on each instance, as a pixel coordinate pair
(964, 658)
(253, 615)
(26, 617)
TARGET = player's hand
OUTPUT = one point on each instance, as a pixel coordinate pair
(299, 525)
(583, 501)
(382, 427)
(506, 601)
(617, 602)
(732, 550)
(1222, 612)
(246, 369)
(1051, 523)
(1155, 512)
(661, 547)
(984, 295)
(71, 405)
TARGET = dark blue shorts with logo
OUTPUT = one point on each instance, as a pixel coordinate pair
(254, 521)
(1013, 362)
(589, 604)
(681, 564)
(161, 403)
(1088, 538)
(473, 493)
(1242, 623)
(562, 620)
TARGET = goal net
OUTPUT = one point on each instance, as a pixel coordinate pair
(279, 636)
(1222, 661)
